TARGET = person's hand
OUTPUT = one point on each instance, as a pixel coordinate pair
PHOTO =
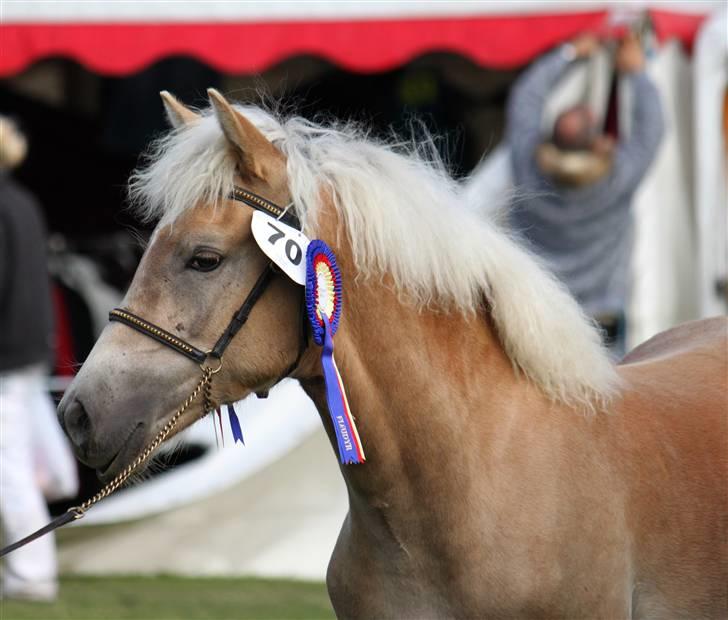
(630, 57)
(585, 45)
(603, 145)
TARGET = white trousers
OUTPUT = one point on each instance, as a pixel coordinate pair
(34, 458)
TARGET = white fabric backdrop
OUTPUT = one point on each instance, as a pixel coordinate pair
(710, 82)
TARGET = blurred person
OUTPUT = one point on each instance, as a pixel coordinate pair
(577, 183)
(34, 456)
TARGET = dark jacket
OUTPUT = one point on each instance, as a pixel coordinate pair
(26, 327)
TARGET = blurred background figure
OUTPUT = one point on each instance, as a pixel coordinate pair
(578, 182)
(35, 461)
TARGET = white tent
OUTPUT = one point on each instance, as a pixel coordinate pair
(710, 97)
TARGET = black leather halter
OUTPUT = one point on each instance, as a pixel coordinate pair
(240, 317)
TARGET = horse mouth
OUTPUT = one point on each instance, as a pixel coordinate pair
(130, 449)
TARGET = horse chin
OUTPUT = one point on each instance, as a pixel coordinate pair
(127, 453)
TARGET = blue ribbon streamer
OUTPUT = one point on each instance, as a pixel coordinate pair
(335, 399)
(235, 425)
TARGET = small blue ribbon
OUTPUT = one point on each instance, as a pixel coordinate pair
(345, 437)
(235, 425)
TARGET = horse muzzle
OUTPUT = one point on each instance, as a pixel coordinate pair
(107, 452)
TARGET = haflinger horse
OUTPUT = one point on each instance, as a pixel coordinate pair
(512, 470)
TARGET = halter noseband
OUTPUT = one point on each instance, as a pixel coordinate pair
(239, 319)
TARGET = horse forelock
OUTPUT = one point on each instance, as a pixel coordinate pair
(404, 216)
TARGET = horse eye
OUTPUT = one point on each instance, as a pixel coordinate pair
(204, 261)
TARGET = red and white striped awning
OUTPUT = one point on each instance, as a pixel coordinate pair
(118, 37)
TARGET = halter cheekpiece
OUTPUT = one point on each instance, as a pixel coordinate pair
(239, 319)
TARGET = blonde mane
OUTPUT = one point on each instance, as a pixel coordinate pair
(404, 216)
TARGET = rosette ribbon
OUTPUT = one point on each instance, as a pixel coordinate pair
(323, 307)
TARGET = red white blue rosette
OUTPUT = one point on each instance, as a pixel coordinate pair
(323, 308)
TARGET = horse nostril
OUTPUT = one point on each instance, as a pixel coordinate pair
(77, 424)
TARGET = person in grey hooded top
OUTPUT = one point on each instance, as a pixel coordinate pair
(577, 184)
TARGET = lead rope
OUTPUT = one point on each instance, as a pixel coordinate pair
(77, 512)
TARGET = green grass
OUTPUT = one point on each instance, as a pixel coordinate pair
(172, 598)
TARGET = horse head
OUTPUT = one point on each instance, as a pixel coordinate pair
(195, 273)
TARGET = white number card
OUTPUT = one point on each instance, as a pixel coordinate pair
(283, 244)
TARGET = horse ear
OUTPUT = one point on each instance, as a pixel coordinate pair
(178, 114)
(256, 153)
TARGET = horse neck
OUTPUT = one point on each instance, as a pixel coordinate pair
(420, 385)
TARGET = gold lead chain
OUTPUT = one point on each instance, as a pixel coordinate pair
(207, 397)
(123, 476)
